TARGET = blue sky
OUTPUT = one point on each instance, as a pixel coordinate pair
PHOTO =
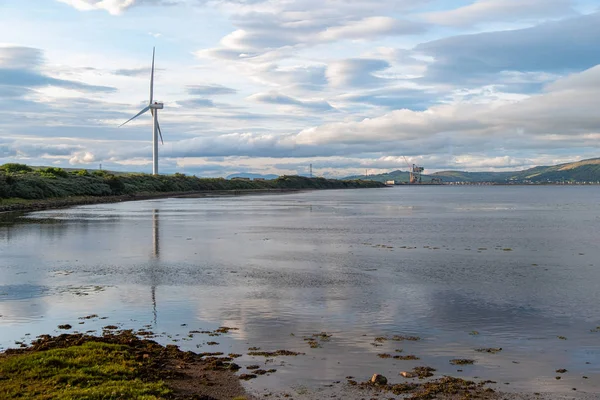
(272, 86)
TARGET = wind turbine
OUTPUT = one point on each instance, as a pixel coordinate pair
(153, 107)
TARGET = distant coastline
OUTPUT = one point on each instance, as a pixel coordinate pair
(580, 172)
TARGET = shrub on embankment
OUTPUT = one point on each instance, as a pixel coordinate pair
(21, 181)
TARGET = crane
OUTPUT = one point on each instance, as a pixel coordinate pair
(414, 171)
(410, 171)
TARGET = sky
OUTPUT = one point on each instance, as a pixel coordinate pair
(272, 86)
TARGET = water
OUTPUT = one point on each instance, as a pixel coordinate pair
(518, 265)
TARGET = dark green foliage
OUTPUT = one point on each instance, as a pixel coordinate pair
(5, 182)
(100, 173)
(14, 167)
(115, 184)
(56, 183)
(53, 171)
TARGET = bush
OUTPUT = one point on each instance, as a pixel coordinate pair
(4, 185)
(14, 167)
(115, 184)
(82, 172)
(54, 171)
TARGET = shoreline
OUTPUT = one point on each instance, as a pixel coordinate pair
(23, 205)
(156, 371)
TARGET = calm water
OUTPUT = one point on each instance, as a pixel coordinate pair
(519, 265)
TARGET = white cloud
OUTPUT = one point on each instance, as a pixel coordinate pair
(283, 100)
(370, 28)
(356, 72)
(114, 7)
(19, 57)
(82, 157)
(482, 11)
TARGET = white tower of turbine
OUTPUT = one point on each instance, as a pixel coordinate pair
(153, 107)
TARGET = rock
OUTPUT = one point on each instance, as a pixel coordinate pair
(408, 374)
(561, 371)
(377, 379)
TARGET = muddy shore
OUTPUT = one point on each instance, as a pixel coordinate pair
(215, 376)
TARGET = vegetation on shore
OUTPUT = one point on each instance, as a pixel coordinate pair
(92, 370)
(18, 181)
(113, 366)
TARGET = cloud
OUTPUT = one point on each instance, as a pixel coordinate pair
(144, 71)
(280, 99)
(10, 92)
(266, 27)
(196, 103)
(370, 28)
(114, 7)
(20, 69)
(483, 11)
(207, 90)
(554, 47)
(16, 57)
(82, 157)
(395, 98)
(29, 148)
(21, 77)
(356, 72)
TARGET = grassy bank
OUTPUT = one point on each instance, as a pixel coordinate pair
(23, 188)
(113, 366)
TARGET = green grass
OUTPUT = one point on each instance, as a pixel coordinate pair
(91, 371)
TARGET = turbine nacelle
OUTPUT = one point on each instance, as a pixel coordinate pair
(157, 106)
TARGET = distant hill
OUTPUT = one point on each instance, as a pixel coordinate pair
(252, 176)
(579, 171)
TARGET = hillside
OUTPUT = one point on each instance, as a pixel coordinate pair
(576, 172)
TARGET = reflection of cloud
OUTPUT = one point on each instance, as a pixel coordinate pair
(18, 312)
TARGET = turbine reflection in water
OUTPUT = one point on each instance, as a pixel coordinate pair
(155, 257)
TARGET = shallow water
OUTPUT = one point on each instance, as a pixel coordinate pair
(518, 265)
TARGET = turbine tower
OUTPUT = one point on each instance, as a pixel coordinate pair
(153, 107)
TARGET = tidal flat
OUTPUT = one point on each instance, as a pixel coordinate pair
(338, 278)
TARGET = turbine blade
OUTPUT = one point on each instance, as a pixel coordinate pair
(137, 115)
(159, 132)
(152, 77)
(157, 125)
